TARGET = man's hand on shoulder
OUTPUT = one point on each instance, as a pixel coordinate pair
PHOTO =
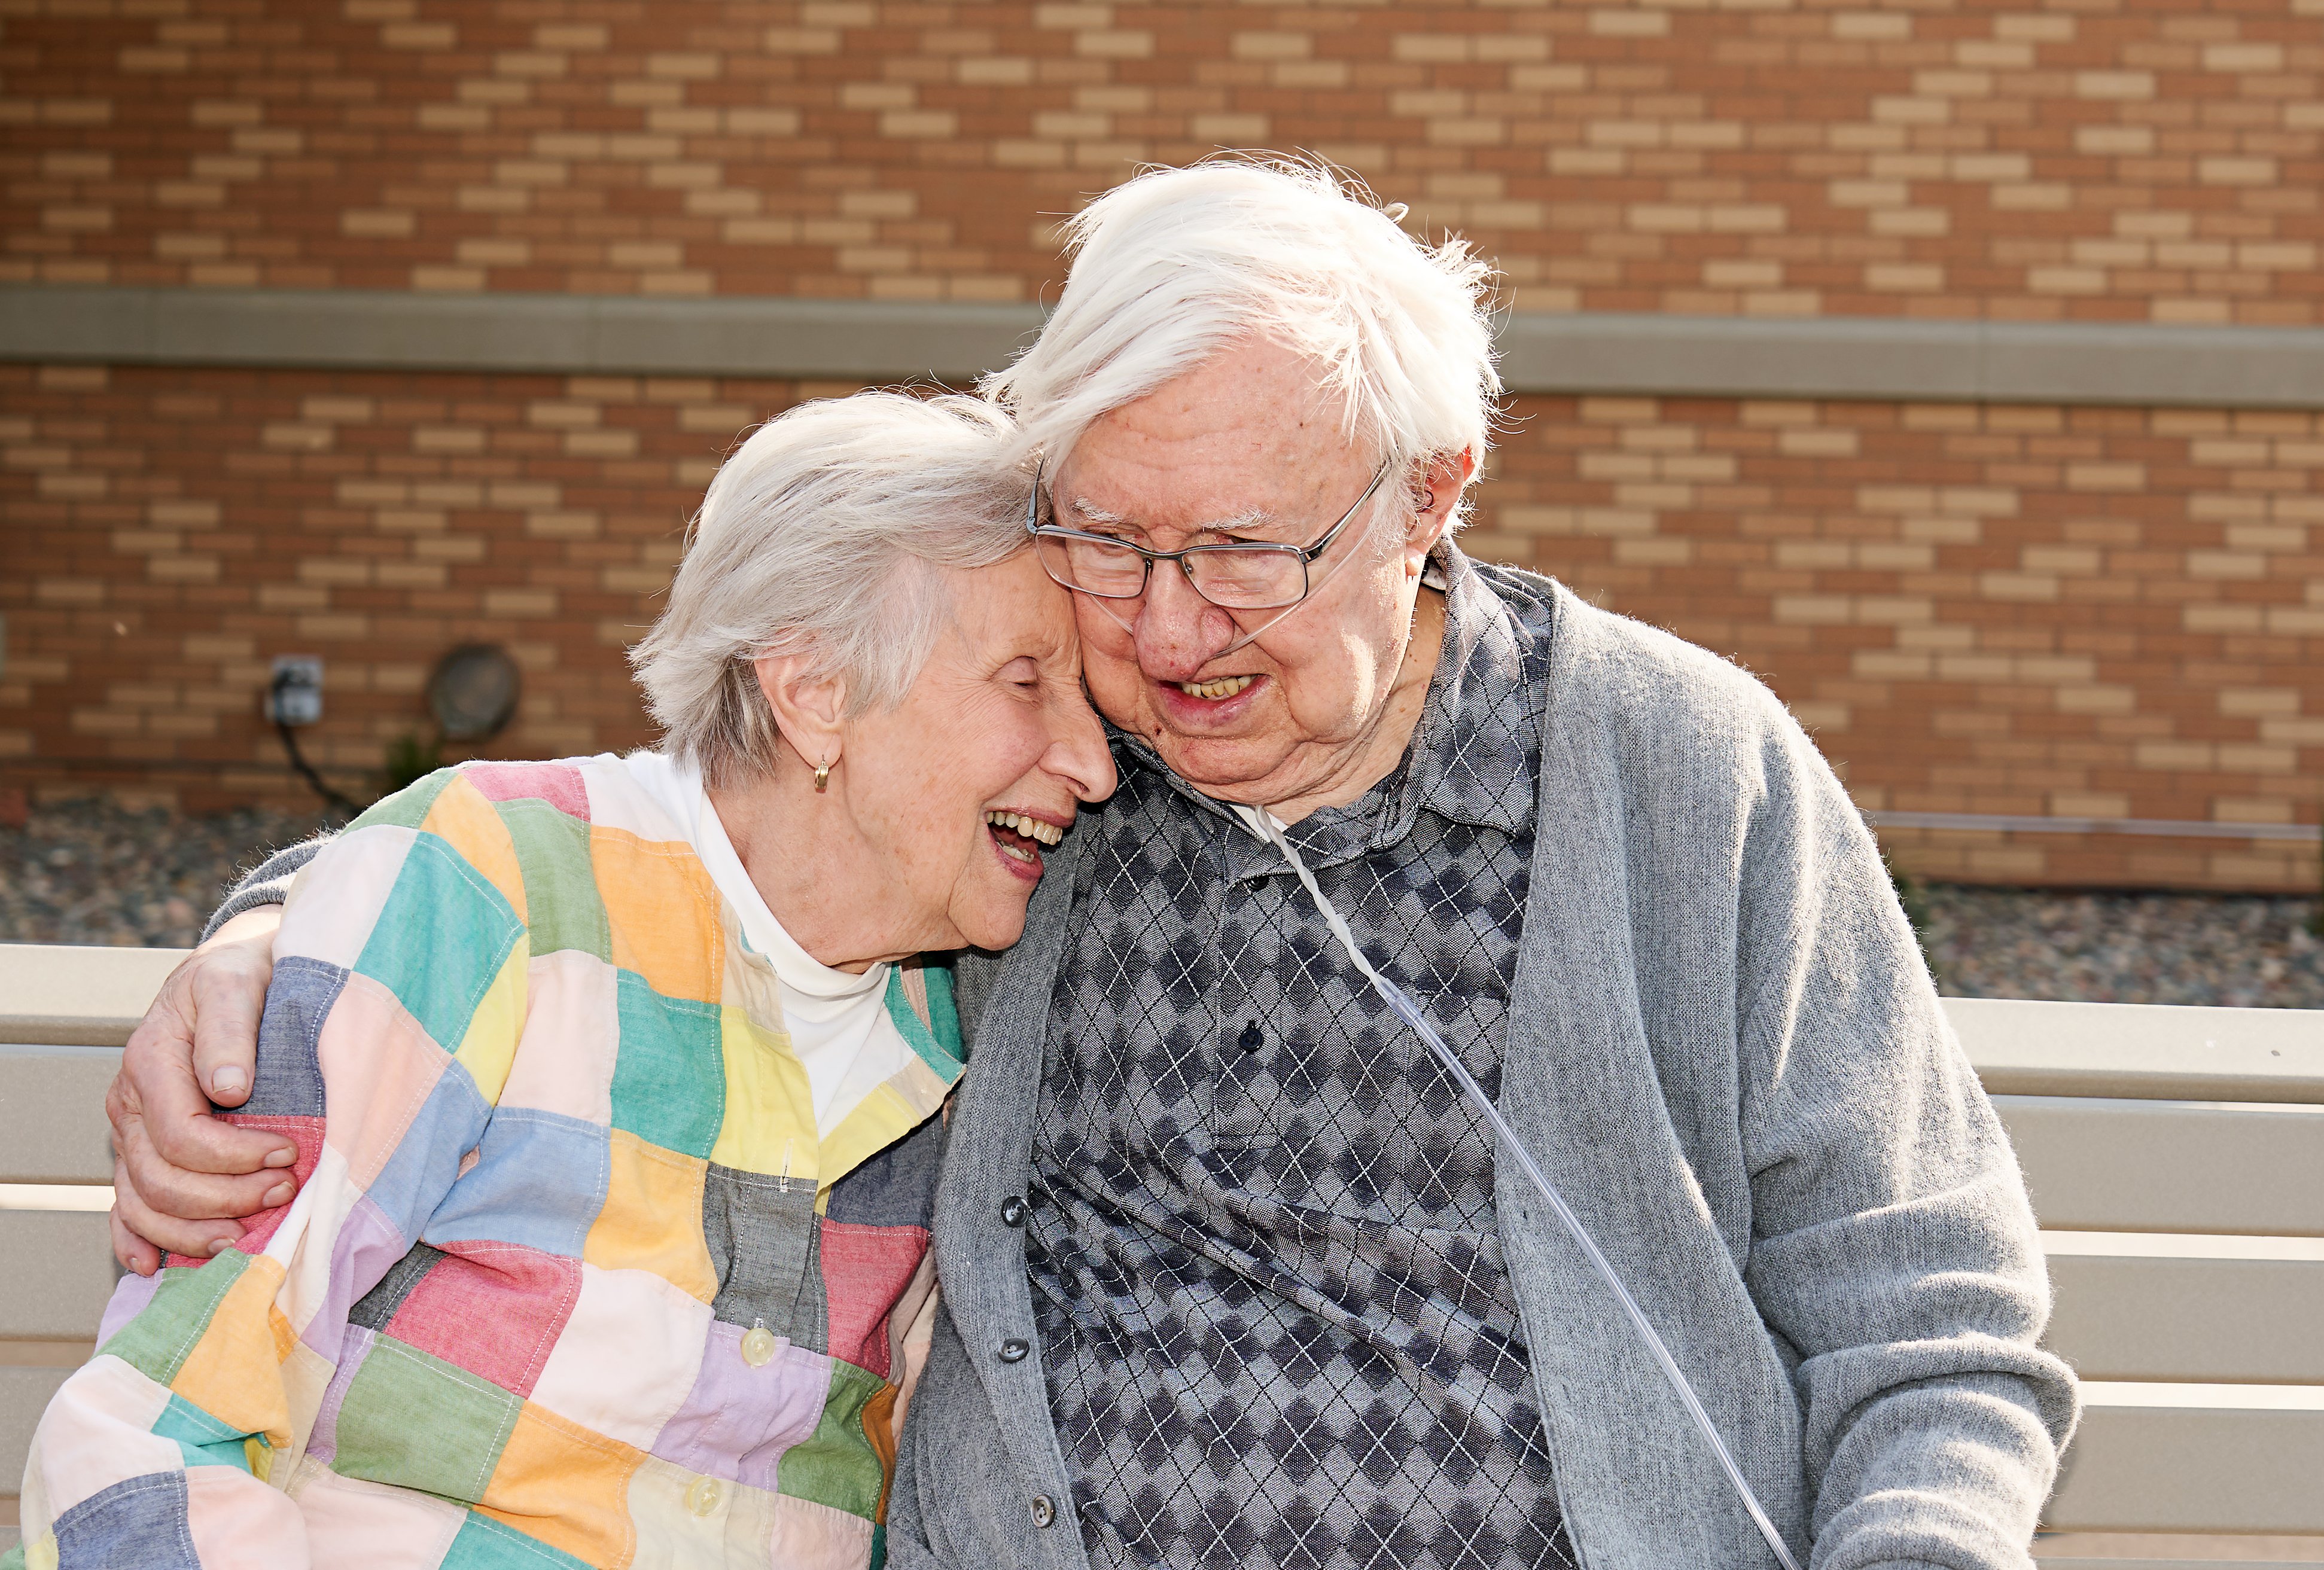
(181, 1178)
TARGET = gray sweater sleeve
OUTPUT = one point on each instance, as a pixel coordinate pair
(268, 882)
(1896, 1251)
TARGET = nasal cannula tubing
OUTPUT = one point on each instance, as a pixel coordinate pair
(1268, 828)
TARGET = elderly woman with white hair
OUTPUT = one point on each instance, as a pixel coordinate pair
(609, 1080)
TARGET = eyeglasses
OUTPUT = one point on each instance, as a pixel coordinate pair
(1243, 577)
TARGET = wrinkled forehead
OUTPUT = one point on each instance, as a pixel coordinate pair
(1251, 432)
(1190, 492)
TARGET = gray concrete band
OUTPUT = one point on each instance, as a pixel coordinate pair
(1847, 358)
(1880, 358)
(571, 335)
(2158, 828)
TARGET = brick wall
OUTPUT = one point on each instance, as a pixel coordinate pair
(2101, 613)
(2113, 614)
(2110, 159)
(170, 531)
(1988, 610)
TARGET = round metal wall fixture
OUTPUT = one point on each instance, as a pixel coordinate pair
(473, 692)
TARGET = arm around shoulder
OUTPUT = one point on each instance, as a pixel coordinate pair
(182, 1177)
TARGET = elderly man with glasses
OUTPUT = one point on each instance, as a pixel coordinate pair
(1232, 1272)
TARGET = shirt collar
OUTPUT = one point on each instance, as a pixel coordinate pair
(1471, 757)
(677, 787)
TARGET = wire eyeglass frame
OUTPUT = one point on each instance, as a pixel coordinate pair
(1306, 556)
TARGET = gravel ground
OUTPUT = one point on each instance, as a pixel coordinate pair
(2235, 951)
(91, 872)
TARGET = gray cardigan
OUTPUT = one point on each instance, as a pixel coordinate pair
(1725, 1051)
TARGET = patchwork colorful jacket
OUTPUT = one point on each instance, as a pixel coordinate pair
(570, 1279)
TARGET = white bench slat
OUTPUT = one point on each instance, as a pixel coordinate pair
(52, 1127)
(63, 995)
(2124, 1165)
(2139, 1317)
(24, 1394)
(64, 1297)
(2023, 1047)
(2194, 1458)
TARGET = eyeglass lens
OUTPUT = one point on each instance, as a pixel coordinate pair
(1239, 577)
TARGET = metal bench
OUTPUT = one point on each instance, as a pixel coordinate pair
(2176, 1157)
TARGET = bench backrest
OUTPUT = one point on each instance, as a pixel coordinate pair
(2175, 1157)
(2176, 1160)
(64, 1013)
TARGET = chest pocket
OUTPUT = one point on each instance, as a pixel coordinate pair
(762, 1234)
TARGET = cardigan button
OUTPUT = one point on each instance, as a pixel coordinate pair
(1252, 1037)
(1013, 1350)
(1012, 1211)
(1044, 1512)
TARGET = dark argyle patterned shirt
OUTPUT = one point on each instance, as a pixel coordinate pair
(1274, 1315)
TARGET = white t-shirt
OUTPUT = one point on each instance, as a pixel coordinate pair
(839, 1024)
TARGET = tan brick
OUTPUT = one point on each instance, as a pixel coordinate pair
(2097, 164)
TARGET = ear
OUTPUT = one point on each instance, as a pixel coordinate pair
(1436, 496)
(808, 709)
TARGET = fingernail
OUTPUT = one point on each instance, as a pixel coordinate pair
(228, 1082)
(219, 1246)
(281, 1158)
(278, 1195)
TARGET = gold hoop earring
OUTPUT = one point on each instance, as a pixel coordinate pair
(821, 777)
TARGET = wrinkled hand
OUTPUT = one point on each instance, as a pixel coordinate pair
(180, 1175)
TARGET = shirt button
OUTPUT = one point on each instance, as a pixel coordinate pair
(1252, 1037)
(1044, 1512)
(757, 1346)
(704, 1496)
(1013, 1350)
(1012, 1211)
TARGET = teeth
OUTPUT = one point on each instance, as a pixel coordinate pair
(1223, 687)
(1033, 828)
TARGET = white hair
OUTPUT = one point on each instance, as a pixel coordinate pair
(1175, 265)
(821, 535)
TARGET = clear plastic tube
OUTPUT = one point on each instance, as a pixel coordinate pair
(1265, 824)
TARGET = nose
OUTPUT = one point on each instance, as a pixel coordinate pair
(1077, 752)
(1178, 631)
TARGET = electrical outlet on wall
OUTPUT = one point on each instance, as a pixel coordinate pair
(295, 694)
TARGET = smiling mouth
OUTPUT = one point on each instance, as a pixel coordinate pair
(1220, 687)
(1022, 835)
